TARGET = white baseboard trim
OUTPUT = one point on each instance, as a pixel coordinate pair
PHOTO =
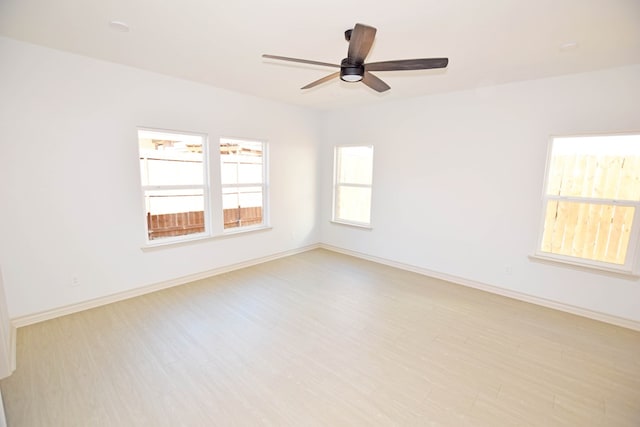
(579, 311)
(30, 319)
(97, 302)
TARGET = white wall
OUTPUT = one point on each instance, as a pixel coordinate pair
(69, 179)
(5, 339)
(458, 179)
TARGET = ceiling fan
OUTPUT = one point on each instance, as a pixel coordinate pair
(353, 68)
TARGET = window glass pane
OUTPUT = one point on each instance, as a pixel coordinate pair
(354, 165)
(249, 173)
(229, 173)
(605, 167)
(174, 212)
(242, 206)
(241, 196)
(353, 204)
(173, 201)
(172, 172)
(597, 232)
(241, 173)
(171, 158)
(242, 164)
(230, 200)
(230, 148)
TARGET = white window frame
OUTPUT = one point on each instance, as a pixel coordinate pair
(264, 185)
(630, 267)
(336, 185)
(205, 188)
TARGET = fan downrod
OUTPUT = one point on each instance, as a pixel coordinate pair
(347, 34)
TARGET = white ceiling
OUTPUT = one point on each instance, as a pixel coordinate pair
(220, 43)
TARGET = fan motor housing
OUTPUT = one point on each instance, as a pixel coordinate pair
(351, 72)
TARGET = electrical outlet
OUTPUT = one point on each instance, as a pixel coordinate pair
(508, 269)
(75, 281)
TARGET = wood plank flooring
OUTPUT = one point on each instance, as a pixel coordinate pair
(323, 339)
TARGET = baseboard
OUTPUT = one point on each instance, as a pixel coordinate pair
(74, 308)
(579, 311)
(30, 319)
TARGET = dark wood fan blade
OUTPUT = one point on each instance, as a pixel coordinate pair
(302, 61)
(408, 64)
(375, 83)
(322, 80)
(360, 44)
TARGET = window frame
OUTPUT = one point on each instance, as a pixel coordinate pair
(264, 186)
(336, 184)
(205, 187)
(630, 267)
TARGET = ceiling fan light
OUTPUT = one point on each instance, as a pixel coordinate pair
(351, 78)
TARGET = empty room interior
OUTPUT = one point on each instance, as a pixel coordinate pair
(337, 214)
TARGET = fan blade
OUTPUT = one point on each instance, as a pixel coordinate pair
(374, 83)
(322, 80)
(303, 61)
(407, 64)
(360, 44)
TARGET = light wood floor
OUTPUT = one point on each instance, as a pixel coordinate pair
(322, 339)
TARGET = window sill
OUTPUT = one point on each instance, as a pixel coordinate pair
(352, 224)
(200, 239)
(583, 266)
(243, 230)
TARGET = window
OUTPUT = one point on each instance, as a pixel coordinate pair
(591, 200)
(174, 181)
(353, 166)
(244, 189)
